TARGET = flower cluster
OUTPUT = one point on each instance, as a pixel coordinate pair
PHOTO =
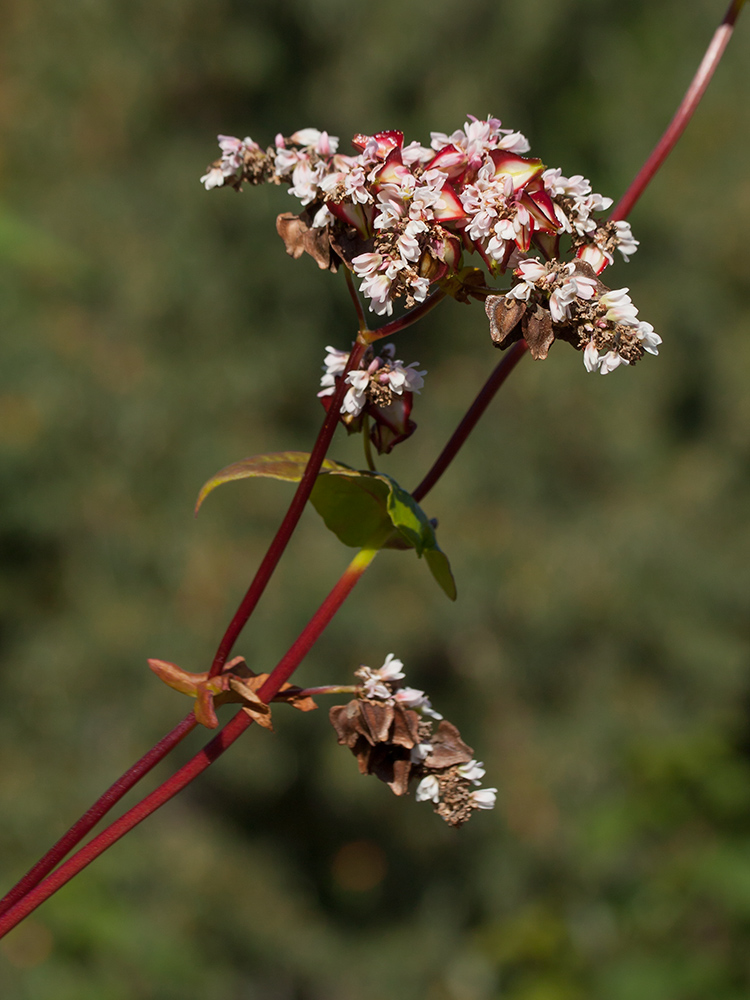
(395, 734)
(382, 387)
(401, 216)
(569, 302)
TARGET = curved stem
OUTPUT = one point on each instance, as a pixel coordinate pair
(99, 809)
(499, 374)
(683, 114)
(292, 516)
(396, 325)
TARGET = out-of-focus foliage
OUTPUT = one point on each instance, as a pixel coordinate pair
(597, 657)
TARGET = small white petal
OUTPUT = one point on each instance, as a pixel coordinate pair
(428, 790)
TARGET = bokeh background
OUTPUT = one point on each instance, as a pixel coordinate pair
(597, 657)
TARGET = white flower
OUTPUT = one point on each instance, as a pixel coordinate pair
(620, 308)
(610, 361)
(414, 153)
(419, 752)
(591, 359)
(322, 217)
(473, 771)
(335, 363)
(428, 790)
(355, 399)
(573, 187)
(484, 798)
(626, 244)
(392, 669)
(214, 178)
(366, 264)
(650, 340)
(562, 299)
(323, 143)
(419, 288)
(406, 377)
(418, 700)
(305, 181)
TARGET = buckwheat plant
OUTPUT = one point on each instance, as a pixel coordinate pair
(472, 216)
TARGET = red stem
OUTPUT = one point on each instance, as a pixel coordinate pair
(188, 772)
(279, 675)
(499, 374)
(100, 808)
(341, 590)
(292, 516)
(683, 114)
(396, 325)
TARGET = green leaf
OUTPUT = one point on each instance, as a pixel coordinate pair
(359, 506)
(285, 465)
(353, 505)
(408, 517)
(437, 562)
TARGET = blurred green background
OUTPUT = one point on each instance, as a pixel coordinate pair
(597, 658)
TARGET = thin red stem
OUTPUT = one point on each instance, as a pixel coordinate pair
(202, 760)
(314, 628)
(286, 666)
(292, 516)
(499, 374)
(126, 822)
(279, 675)
(99, 809)
(396, 325)
(683, 114)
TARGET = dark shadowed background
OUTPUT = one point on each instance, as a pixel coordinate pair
(597, 657)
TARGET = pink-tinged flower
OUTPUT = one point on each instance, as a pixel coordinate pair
(356, 215)
(448, 207)
(392, 423)
(407, 378)
(418, 700)
(591, 254)
(323, 143)
(391, 209)
(380, 144)
(391, 173)
(356, 397)
(484, 798)
(428, 790)
(366, 264)
(306, 180)
(414, 153)
(232, 163)
(520, 169)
